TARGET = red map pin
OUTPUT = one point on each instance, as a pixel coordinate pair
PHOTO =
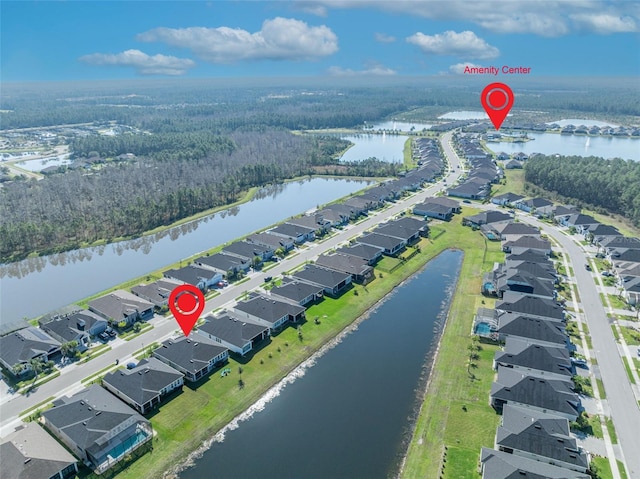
(497, 100)
(186, 302)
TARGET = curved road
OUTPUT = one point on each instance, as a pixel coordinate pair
(70, 378)
(622, 402)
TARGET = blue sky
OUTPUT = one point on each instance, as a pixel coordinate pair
(58, 40)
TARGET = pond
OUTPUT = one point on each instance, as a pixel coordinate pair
(404, 126)
(580, 145)
(38, 165)
(349, 415)
(384, 147)
(35, 286)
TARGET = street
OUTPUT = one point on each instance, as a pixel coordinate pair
(70, 378)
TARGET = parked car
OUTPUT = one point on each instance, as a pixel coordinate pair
(466, 201)
(587, 267)
(111, 333)
(607, 273)
(579, 362)
(104, 336)
(268, 278)
(131, 365)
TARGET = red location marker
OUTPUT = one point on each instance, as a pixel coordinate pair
(497, 100)
(186, 302)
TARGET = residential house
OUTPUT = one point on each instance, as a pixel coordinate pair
(299, 292)
(541, 437)
(579, 221)
(530, 256)
(391, 246)
(300, 234)
(122, 306)
(314, 221)
(31, 453)
(599, 232)
(539, 206)
(80, 327)
(239, 335)
(524, 243)
(371, 254)
(631, 290)
(225, 264)
(486, 217)
(432, 210)
(535, 359)
(553, 396)
(472, 191)
(394, 230)
(333, 217)
(533, 307)
(248, 251)
(157, 292)
(145, 386)
(194, 357)
(333, 282)
(502, 465)
(202, 278)
(269, 240)
(561, 212)
(444, 201)
(514, 284)
(506, 199)
(20, 347)
(359, 205)
(97, 427)
(269, 311)
(358, 268)
(512, 231)
(535, 330)
(512, 165)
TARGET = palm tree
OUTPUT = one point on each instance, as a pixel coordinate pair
(36, 365)
(68, 349)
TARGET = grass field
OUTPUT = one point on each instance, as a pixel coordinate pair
(456, 411)
(196, 414)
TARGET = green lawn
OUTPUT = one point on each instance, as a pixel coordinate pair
(601, 391)
(442, 420)
(630, 335)
(184, 422)
(616, 302)
(612, 430)
(627, 366)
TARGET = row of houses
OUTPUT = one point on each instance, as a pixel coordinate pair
(483, 171)
(622, 252)
(533, 389)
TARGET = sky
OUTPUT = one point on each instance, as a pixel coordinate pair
(83, 40)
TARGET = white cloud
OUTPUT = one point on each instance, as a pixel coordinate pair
(279, 39)
(548, 18)
(464, 44)
(458, 68)
(605, 23)
(384, 38)
(143, 63)
(371, 69)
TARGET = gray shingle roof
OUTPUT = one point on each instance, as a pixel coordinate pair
(502, 465)
(532, 328)
(191, 274)
(363, 251)
(533, 306)
(246, 249)
(231, 329)
(157, 292)
(222, 262)
(295, 290)
(268, 239)
(269, 309)
(383, 241)
(322, 276)
(89, 415)
(191, 354)
(25, 344)
(145, 381)
(31, 453)
(291, 230)
(535, 356)
(119, 304)
(345, 263)
(70, 327)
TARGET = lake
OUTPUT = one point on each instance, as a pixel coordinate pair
(464, 115)
(578, 121)
(555, 143)
(385, 147)
(349, 416)
(35, 286)
(404, 126)
(38, 165)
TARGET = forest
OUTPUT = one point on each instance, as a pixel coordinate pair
(611, 185)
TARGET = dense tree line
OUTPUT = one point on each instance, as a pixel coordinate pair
(126, 199)
(610, 184)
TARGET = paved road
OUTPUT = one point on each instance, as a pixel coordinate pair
(69, 380)
(622, 403)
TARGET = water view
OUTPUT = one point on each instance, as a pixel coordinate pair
(67, 277)
(39, 165)
(385, 147)
(400, 126)
(349, 415)
(464, 115)
(578, 121)
(554, 143)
